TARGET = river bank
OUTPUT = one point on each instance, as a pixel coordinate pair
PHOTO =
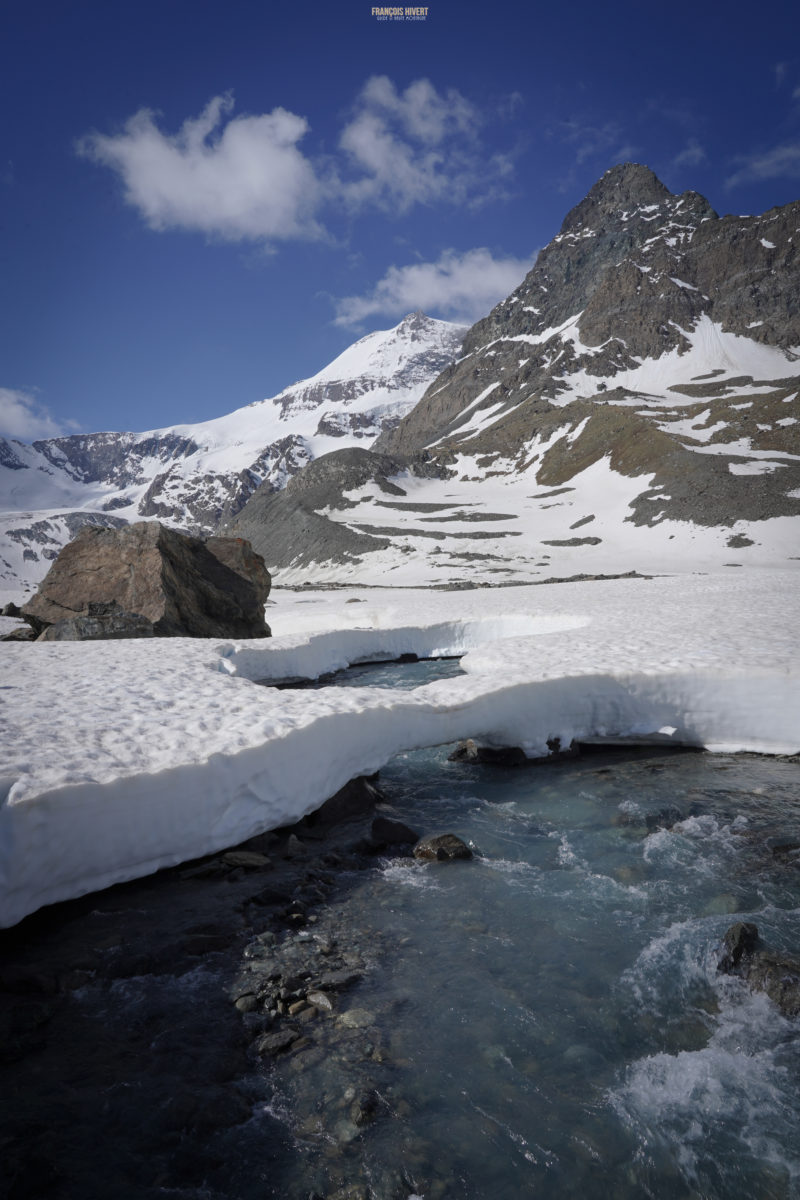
(304, 1016)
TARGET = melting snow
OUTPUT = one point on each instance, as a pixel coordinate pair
(122, 757)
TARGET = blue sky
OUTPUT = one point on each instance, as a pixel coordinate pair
(203, 202)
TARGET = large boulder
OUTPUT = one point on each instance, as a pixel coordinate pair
(184, 586)
(101, 622)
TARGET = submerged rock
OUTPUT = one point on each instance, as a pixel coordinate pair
(777, 975)
(441, 847)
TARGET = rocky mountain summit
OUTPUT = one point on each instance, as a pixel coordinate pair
(633, 404)
(194, 477)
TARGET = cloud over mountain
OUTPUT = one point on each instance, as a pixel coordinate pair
(460, 287)
(22, 417)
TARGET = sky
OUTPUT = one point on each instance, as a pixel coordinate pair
(201, 203)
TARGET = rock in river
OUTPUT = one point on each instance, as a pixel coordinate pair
(778, 975)
(441, 847)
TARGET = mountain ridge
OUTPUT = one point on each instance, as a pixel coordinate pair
(653, 353)
(194, 477)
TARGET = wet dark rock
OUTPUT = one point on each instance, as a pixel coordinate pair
(246, 859)
(392, 833)
(441, 847)
(338, 981)
(496, 756)
(740, 939)
(778, 975)
(365, 1107)
(10, 610)
(775, 974)
(356, 799)
(270, 897)
(276, 1043)
(784, 850)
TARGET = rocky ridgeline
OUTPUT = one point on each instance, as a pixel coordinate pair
(540, 389)
(145, 580)
(640, 265)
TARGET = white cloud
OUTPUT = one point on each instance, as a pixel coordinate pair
(416, 147)
(461, 287)
(692, 154)
(22, 417)
(245, 177)
(236, 178)
(781, 162)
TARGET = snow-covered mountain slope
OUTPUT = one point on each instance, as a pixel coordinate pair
(633, 405)
(194, 476)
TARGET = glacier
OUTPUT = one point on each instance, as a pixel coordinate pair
(125, 757)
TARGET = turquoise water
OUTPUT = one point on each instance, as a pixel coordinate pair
(547, 1020)
(401, 676)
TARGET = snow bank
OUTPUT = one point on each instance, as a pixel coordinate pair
(123, 757)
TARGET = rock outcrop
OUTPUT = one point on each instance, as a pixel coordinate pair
(441, 847)
(291, 528)
(778, 975)
(178, 585)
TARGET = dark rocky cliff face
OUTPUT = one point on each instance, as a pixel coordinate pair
(638, 266)
(653, 351)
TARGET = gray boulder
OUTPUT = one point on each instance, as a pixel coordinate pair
(183, 586)
(101, 621)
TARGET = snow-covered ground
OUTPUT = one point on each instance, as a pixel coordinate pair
(506, 526)
(122, 757)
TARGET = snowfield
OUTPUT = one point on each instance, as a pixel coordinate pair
(123, 757)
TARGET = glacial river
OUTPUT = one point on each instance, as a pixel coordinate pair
(550, 1018)
(545, 1020)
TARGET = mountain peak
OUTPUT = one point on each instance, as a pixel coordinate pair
(416, 322)
(623, 188)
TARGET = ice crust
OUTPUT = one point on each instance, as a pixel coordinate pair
(123, 757)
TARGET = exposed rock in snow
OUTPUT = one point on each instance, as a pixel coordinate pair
(183, 586)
